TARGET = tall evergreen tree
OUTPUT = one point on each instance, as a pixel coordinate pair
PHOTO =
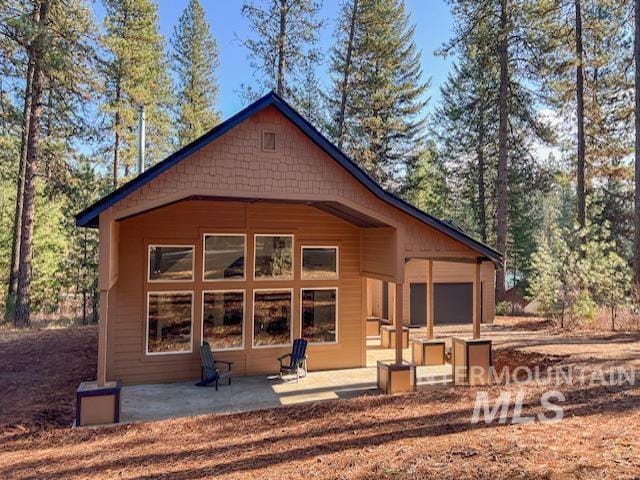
(61, 55)
(37, 52)
(343, 73)
(427, 183)
(284, 45)
(467, 133)
(503, 40)
(501, 33)
(585, 72)
(636, 212)
(195, 58)
(20, 32)
(385, 99)
(581, 187)
(136, 74)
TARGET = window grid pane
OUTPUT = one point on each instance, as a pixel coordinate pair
(169, 322)
(319, 263)
(170, 263)
(272, 317)
(273, 257)
(223, 319)
(224, 257)
(319, 318)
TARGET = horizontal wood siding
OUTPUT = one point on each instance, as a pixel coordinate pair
(443, 272)
(185, 223)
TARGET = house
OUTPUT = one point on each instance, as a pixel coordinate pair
(259, 232)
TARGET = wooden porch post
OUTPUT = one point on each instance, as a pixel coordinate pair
(429, 298)
(107, 277)
(398, 322)
(476, 299)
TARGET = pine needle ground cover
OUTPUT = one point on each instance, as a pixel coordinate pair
(419, 435)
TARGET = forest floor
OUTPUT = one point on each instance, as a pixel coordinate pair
(418, 435)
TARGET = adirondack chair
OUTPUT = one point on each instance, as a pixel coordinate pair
(297, 360)
(209, 371)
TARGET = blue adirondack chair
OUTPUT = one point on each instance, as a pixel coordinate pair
(209, 371)
(297, 360)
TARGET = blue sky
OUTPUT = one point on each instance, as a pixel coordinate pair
(433, 27)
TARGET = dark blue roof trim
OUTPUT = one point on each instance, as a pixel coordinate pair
(89, 216)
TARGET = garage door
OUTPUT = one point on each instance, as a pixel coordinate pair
(418, 306)
(453, 303)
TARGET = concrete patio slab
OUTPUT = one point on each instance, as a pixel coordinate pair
(162, 401)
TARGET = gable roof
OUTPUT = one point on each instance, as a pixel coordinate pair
(89, 216)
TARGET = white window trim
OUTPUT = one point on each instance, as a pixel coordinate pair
(204, 253)
(253, 318)
(293, 258)
(332, 247)
(193, 262)
(244, 316)
(336, 341)
(146, 338)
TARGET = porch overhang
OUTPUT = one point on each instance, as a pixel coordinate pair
(337, 209)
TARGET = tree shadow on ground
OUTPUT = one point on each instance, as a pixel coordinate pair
(296, 446)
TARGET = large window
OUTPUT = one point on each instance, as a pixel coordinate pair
(169, 322)
(272, 317)
(319, 315)
(170, 263)
(319, 263)
(224, 257)
(223, 319)
(273, 257)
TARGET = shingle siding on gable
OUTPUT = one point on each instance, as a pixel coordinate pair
(236, 165)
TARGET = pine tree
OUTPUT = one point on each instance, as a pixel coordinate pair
(503, 39)
(636, 212)
(60, 51)
(382, 123)
(21, 33)
(136, 75)
(586, 75)
(343, 73)
(427, 186)
(84, 185)
(37, 49)
(195, 58)
(309, 98)
(284, 45)
(467, 134)
(503, 34)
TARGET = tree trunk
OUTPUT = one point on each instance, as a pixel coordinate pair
(12, 287)
(482, 209)
(580, 117)
(613, 317)
(281, 45)
(636, 214)
(346, 74)
(116, 142)
(84, 278)
(503, 146)
(33, 150)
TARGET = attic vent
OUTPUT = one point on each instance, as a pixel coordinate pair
(269, 141)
